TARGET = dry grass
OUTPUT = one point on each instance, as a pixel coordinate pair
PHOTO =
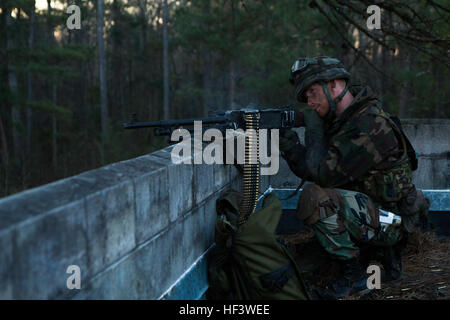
(426, 269)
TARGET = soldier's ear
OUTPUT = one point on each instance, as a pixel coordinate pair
(331, 86)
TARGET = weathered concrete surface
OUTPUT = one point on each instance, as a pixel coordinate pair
(132, 227)
(429, 137)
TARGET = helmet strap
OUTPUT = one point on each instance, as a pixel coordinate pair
(333, 103)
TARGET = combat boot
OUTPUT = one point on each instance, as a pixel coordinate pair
(392, 260)
(353, 279)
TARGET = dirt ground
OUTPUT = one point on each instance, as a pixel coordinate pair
(426, 268)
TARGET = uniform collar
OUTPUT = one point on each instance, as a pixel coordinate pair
(359, 101)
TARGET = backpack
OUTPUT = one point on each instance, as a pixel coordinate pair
(410, 151)
(248, 262)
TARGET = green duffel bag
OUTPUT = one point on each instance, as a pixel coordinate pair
(248, 262)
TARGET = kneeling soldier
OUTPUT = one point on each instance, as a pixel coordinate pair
(352, 144)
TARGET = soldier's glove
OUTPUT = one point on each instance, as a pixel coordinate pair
(314, 127)
(315, 142)
(294, 153)
(288, 140)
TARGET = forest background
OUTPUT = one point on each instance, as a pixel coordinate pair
(64, 93)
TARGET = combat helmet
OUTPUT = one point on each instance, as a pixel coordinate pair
(306, 71)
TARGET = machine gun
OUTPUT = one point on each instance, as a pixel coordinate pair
(282, 118)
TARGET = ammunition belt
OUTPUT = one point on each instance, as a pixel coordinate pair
(251, 168)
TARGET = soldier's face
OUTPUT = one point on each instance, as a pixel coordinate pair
(317, 99)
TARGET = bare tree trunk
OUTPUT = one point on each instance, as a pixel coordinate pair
(363, 44)
(388, 62)
(30, 80)
(16, 119)
(81, 37)
(407, 61)
(404, 94)
(207, 72)
(143, 17)
(116, 105)
(5, 155)
(15, 113)
(207, 83)
(102, 69)
(232, 84)
(54, 129)
(233, 62)
(165, 62)
(441, 105)
(51, 40)
(5, 151)
(4, 82)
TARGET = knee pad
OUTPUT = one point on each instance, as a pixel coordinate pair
(317, 203)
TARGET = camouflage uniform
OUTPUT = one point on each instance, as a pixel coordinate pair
(340, 218)
(363, 151)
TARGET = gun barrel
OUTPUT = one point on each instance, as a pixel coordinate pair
(269, 119)
(174, 123)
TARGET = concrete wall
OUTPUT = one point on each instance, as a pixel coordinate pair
(429, 137)
(135, 226)
(132, 227)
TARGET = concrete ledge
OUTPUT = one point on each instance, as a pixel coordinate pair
(132, 227)
(151, 268)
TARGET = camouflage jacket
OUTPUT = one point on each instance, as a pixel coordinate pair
(362, 152)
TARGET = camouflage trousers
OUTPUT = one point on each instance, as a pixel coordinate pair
(343, 220)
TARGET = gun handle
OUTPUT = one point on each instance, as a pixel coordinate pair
(299, 119)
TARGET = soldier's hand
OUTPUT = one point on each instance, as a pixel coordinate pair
(314, 132)
(312, 119)
(288, 140)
